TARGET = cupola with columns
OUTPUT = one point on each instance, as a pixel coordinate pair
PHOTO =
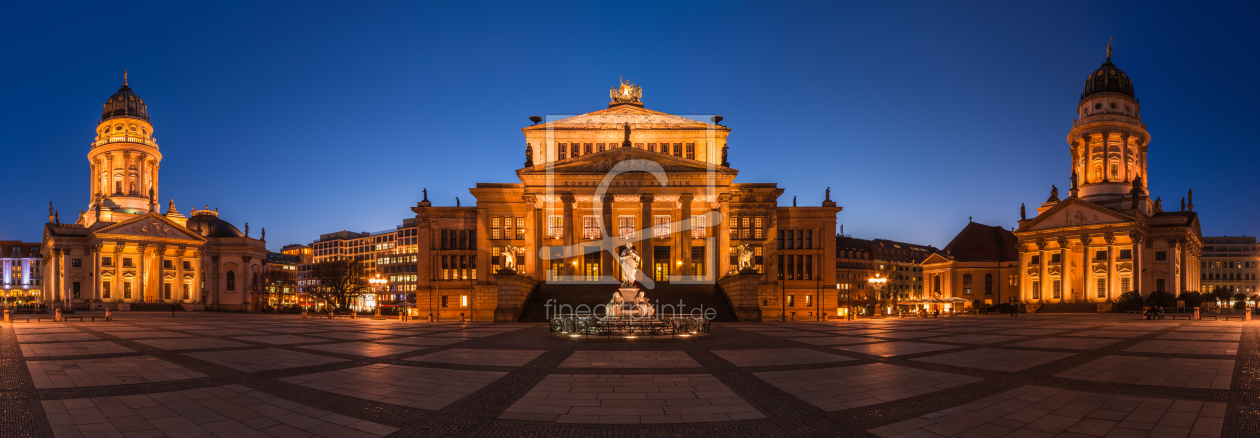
(1109, 141)
(124, 159)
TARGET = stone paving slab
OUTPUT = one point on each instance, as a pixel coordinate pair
(777, 357)
(1185, 347)
(836, 340)
(629, 359)
(1034, 411)
(349, 335)
(73, 349)
(425, 341)
(44, 329)
(996, 359)
(974, 339)
(225, 332)
(363, 348)
(1202, 336)
(281, 339)
(56, 337)
(416, 387)
(906, 335)
(1156, 371)
(890, 349)
(190, 343)
(506, 358)
(1122, 334)
(1068, 343)
(263, 359)
(149, 334)
(631, 399)
(833, 389)
(225, 411)
(83, 373)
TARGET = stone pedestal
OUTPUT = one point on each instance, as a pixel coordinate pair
(1196, 313)
(512, 292)
(741, 291)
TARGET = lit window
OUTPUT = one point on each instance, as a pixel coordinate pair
(698, 227)
(555, 227)
(463, 301)
(590, 227)
(660, 227)
(625, 227)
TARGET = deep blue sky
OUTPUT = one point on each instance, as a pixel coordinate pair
(308, 118)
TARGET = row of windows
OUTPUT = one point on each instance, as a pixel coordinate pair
(459, 239)
(796, 239)
(796, 267)
(567, 150)
(1125, 254)
(1056, 291)
(746, 227)
(507, 228)
(1231, 276)
(1227, 265)
(459, 267)
(809, 301)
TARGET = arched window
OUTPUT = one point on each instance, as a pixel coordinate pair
(936, 284)
(966, 284)
(231, 280)
(988, 284)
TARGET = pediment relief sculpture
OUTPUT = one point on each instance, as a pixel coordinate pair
(1124, 267)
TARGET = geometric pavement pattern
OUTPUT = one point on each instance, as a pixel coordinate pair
(247, 375)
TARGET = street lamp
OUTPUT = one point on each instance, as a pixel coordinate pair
(377, 283)
(878, 283)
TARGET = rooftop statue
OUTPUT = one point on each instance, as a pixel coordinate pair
(625, 92)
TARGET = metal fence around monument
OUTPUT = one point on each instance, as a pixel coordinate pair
(582, 326)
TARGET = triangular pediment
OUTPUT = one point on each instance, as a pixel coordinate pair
(635, 160)
(934, 259)
(1073, 212)
(618, 116)
(152, 226)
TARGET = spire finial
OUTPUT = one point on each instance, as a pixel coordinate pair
(1108, 48)
(125, 76)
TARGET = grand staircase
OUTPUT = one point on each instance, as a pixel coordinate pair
(692, 295)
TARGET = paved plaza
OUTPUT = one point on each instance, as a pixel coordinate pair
(242, 375)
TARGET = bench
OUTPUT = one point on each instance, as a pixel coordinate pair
(64, 318)
(1243, 317)
(1202, 317)
(1176, 315)
(102, 317)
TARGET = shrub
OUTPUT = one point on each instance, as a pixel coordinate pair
(1192, 299)
(1129, 301)
(1161, 299)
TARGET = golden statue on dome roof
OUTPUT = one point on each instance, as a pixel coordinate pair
(625, 92)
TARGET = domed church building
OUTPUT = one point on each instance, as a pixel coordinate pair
(123, 252)
(1108, 236)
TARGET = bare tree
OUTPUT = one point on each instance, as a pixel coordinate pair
(273, 282)
(339, 281)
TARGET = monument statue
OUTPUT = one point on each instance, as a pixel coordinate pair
(643, 309)
(615, 305)
(1054, 194)
(506, 259)
(1022, 214)
(629, 265)
(745, 256)
(725, 162)
(264, 235)
(625, 92)
(529, 157)
(247, 229)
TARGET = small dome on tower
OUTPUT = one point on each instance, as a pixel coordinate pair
(125, 103)
(1108, 79)
(208, 224)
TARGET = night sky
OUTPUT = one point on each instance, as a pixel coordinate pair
(309, 118)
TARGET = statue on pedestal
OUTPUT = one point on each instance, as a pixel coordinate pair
(615, 305)
(629, 265)
(642, 308)
(745, 256)
(506, 259)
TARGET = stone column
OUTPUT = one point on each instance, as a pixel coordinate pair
(1065, 272)
(143, 162)
(96, 272)
(1124, 156)
(198, 276)
(177, 286)
(567, 200)
(1111, 267)
(1106, 156)
(249, 279)
(160, 252)
(116, 293)
(1087, 269)
(56, 271)
(1022, 273)
(646, 251)
(607, 261)
(1136, 275)
(685, 199)
(213, 284)
(1182, 278)
(721, 236)
(156, 195)
(142, 276)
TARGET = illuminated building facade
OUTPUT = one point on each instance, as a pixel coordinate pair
(20, 280)
(594, 183)
(122, 252)
(980, 264)
(1229, 263)
(858, 260)
(1108, 236)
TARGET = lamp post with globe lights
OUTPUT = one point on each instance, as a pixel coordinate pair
(878, 282)
(378, 283)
